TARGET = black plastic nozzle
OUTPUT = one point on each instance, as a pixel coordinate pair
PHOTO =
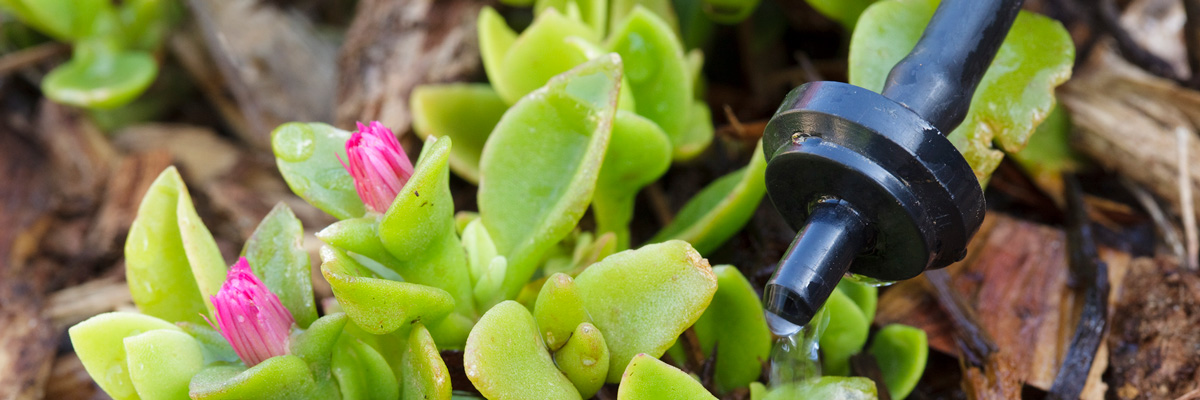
(869, 180)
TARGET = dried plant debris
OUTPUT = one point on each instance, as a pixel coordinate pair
(1155, 349)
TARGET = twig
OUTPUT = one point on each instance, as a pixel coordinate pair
(659, 203)
(1166, 229)
(19, 59)
(1185, 198)
(1107, 17)
(810, 71)
(733, 121)
(975, 342)
(1086, 269)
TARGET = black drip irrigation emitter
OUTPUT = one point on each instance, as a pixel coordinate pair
(869, 180)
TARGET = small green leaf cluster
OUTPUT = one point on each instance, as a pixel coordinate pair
(168, 350)
(111, 62)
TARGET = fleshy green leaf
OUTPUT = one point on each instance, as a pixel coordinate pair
(902, 351)
(362, 373)
(1049, 153)
(593, 12)
(644, 299)
(418, 229)
(638, 154)
(276, 253)
(827, 387)
(360, 236)
(865, 296)
(425, 374)
(162, 363)
(621, 10)
(699, 132)
(438, 111)
(106, 79)
(283, 377)
(720, 209)
(505, 358)
(540, 53)
(495, 39)
(648, 378)
(214, 346)
(584, 359)
(381, 306)
(100, 344)
(530, 203)
(315, 345)
(307, 157)
(1015, 95)
(844, 336)
(658, 74)
(735, 326)
(845, 12)
(164, 237)
(729, 11)
(559, 310)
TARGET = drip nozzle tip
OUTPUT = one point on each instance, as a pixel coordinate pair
(812, 267)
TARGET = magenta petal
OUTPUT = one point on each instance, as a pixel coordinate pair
(378, 164)
(250, 317)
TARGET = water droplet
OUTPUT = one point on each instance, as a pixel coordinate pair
(795, 356)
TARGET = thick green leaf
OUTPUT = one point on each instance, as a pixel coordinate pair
(380, 306)
(307, 156)
(729, 11)
(214, 346)
(425, 374)
(171, 261)
(658, 73)
(1015, 95)
(638, 154)
(418, 229)
(827, 387)
(584, 359)
(360, 236)
(734, 325)
(505, 358)
(495, 39)
(648, 378)
(362, 373)
(438, 111)
(699, 132)
(276, 253)
(106, 79)
(845, 12)
(559, 310)
(644, 299)
(145, 23)
(593, 12)
(902, 351)
(721, 208)
(1049, 154)
(100, 344)
(844, 336)
(530, 203)
(540, 53)
(283, 377)
(162, 363)
(315, 345)
(620, 11)
(865, 296)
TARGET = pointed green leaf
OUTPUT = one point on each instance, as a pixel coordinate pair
(495, 39)
(276, 253)
(865, 296)
(99, 343)
(644, 299)
(425, 374)
(902, 351)
(162, 363)
(584, 359)
(699, 132)
(360, 236)
(638, 154)
(1015, 95)
(214, 346)
(315, 345)
(827, 387)
(621, 10)
(307, 156)
(648, 378)
(418, 229)
(735, 326)
(362, 373)
(658, 73)
(593, 12)
(721, 209)
(283, 377)
(559, 310)
(162, 239)
(438, 111)
(540, 53)
(530, 203)
(505, 358)
(381, 306)
(844, 336)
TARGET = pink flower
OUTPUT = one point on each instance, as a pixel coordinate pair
(250, 317)
(378, 164)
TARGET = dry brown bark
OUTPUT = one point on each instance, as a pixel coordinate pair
(394, 45)
(1015, 276)
(1154, 341)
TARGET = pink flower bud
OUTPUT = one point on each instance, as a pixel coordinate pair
(378, 164)
(250, 317)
